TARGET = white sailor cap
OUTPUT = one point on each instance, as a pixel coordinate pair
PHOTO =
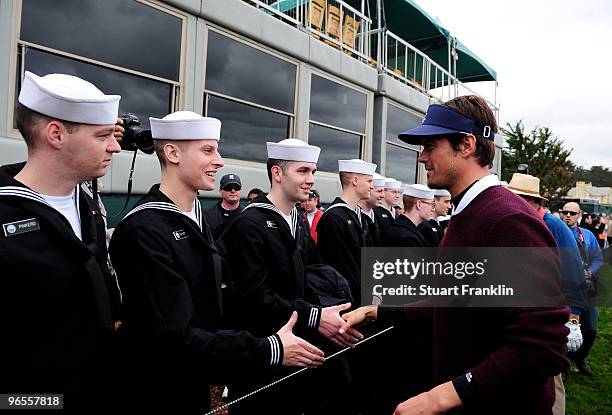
(379, 181)
(185, 125)
(420, 191)
(293, 149)
(68, 98)
(356, 166)
(442, 193)
(391, 183)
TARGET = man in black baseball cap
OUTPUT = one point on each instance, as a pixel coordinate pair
(219, 215)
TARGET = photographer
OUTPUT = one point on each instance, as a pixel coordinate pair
(57, 298)
(170, 273)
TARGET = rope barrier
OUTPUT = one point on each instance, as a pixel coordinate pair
(276, 382)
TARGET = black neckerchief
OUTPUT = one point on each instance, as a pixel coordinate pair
(457, 199)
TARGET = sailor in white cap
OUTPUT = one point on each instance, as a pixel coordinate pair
(431, 229)
(418, 207)
(166, 259)
(58, 296)
(368, 208)
(393, 195)
(268, 249)
(341, 235)
(385, 211)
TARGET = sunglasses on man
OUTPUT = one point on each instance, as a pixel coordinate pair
(232, 187)
(569, 213)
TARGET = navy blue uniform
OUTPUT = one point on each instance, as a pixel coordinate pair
(174, 349)
(58, 300)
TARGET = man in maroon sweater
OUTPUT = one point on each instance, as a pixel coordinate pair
(493, 360)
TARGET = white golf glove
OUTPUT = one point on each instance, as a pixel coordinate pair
(574, 338)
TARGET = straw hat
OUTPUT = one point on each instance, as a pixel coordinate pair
(525, 184)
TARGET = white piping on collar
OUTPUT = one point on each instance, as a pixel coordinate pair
(478, 187)
(26, 193)
(170, 207)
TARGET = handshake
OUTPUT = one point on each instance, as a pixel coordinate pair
(298, 352)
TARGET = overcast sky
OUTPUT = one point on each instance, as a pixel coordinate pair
(553, 60)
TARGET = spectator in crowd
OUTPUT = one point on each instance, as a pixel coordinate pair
(573, 285)
(592, 261)
(253, 193)
(219, 215)
(312, 213)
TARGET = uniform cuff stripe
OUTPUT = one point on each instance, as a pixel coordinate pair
(275, 351)
(312, 321)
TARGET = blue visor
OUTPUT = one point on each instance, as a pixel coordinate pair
(442, 120)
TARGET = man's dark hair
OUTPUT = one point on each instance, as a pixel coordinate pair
(533, 199)
(255, 191)
(476, 108)
(29, 123)
(276, 162)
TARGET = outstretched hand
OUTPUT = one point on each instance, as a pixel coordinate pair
(357, 316)
(297, 351)
(332, 322)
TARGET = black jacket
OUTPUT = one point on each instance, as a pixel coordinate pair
(171, 274)
(372, 230)
(219, 218)
(267, 269)
(404, 233)
(341, 237)
(57, 297)
(431, 232)
(384, 220)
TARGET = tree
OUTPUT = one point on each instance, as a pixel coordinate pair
(545, 155)
(599, 176)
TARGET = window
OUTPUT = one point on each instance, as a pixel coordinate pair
(337, 121)
(246, 128)
(401, 163)
(335, 145)
(401, 158)
(399, 120)
(252, 92)
(109, 44)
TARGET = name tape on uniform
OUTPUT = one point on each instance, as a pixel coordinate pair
(19, 227)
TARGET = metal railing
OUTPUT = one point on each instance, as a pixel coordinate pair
(403, 61)
(290, 11)
(332, 21)
(343, 27)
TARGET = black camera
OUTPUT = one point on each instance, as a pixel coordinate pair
(136, 137)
